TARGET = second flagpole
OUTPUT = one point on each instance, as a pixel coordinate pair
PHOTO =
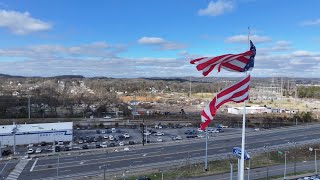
(243, 128)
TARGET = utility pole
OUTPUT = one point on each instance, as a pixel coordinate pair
(315, 160)
(281, 90)
(104, 171)
(190, 87)
(0, 150)
(295, 157)
(58, 166)
(285, 165)
(142, 132)
(29, 108)
(14, 131)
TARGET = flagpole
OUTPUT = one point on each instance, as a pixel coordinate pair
(206, 160)
(244, 128)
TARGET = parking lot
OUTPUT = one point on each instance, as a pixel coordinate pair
(113, 137)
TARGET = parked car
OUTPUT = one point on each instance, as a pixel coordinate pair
(192, 136)
(104, 145)
(160, 134)
(112, 144)
(85, 146)
(121, 143)
(143, 178)
(200, 135)
(30, 145)
(80, 141)
(159, 139)
(105, 137)
(131, 143)
(38, 150)
(103, 132)
(200, 130)
(6, 152)
(107, 117)
(126, 149)
(60, 143)
(126, 135)
(98, 145)
(30, 151)
(113, 130)
(111, 138)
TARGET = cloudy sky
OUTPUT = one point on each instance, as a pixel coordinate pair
(143, 38)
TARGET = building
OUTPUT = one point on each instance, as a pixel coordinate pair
(36, 133)
(249, 110)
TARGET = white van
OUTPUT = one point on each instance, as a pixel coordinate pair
(113, 130)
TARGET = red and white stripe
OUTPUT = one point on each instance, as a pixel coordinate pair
(229, 62)
(238, 92)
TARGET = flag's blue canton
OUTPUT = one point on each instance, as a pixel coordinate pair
(250, 64)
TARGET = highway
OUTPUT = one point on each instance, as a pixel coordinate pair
(46, 167)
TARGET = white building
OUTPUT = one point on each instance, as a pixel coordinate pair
(249, 110)
(36, 133)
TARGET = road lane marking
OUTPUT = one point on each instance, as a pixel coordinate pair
(35, 162)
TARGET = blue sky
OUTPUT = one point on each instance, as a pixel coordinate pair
(118, 38)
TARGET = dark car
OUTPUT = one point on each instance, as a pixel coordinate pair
(6, 152)
(118, 131)
(143, 178)
(85, 147)
(43, 143)
(98, 145)
(112, 145)
(57, 148)
(131, 143)
(191, 136)
(98, 131)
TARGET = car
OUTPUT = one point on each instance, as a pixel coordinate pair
(105, 137)
(30, 151)
(200, 135)
(60, 143)
(220, 130)
(113, 130)
(68, 148)
(192, 136)
(126, 135)
(104, 145)
(126, 149)
(43, 143)
(112, 144)
(106, 117)
(80, 141)
(30, 145)
(103, 132)
(121, 143)
(147, 133)
(200, 130)
(111, 138)
(143, 178)
(38, 150)
(257, 129)
(159, 134)
(178, 138)
(159, 139)
(57, 148)
(98, 131)
(85, 146)
(118, 131)
(6, 152)
(98, 145)
(131, 142)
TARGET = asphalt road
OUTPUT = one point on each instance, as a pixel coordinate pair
(44, 168)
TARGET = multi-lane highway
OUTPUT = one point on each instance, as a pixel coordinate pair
(82, 164)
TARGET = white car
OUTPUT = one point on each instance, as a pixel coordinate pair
(159, 139)
(38, 150)
(80, 141)
(105, 137)
(200, 130)
(160, 134)
(126, 149)
(107, 117)
(121, 143)
(104, 145)
(30, 151)
(111, 138)
(30, 145)
(200, 135)
(103, 132)
(126, 135)
(257, 129)
(147, 133)
(178, 138)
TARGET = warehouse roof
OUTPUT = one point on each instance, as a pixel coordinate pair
(41, 127)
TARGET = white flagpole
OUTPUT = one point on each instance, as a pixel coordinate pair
(243, 129)
(206, 160)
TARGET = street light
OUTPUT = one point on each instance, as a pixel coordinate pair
(315, 159)
(104, 170)
(268, 155)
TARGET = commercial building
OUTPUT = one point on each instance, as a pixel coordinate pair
(35, 133)
(249, 110)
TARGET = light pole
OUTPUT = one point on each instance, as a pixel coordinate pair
(268, 155)
(285, 165)
(14, 131)
(249, 169)
(29, 108)
(231, 170)
(104, 170)
(315, 159)
(54, 141)
(58, 165)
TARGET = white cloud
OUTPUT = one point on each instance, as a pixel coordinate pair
(151, 40)
(160, 43)
(217, 8)
(21, 23)
(311, 22)
(244, 39)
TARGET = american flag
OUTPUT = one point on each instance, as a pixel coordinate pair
(238, 92)
(231, 62)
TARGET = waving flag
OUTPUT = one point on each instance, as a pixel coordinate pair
(231, 62)
(238, 92)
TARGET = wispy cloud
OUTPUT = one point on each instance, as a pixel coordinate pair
(244, 39)
(217, 8)
(160, 43)
(314, 22)
(21, 23)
